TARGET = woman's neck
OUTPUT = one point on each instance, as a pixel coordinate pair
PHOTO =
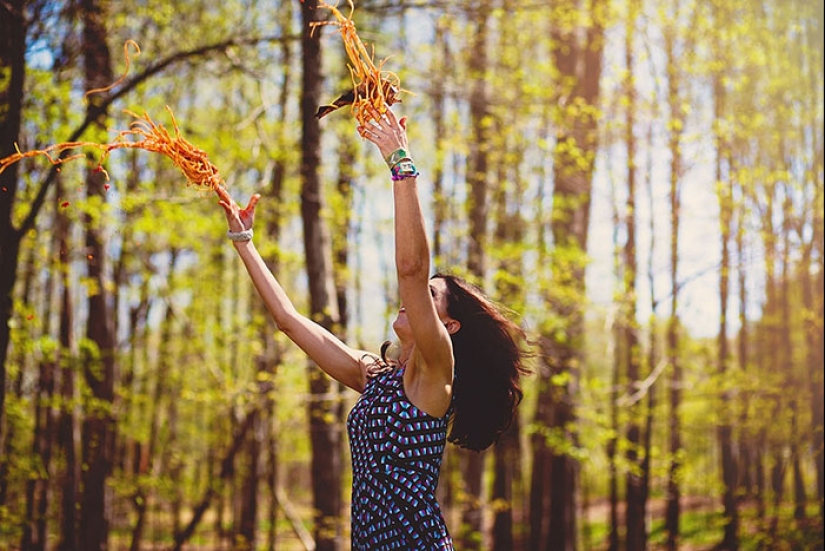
(404, 357)
(399, 353)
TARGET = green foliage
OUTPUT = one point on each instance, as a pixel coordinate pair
(189, 330)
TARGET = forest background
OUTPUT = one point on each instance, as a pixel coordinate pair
(640, 181)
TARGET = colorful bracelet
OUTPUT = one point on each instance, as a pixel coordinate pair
(403, 169)
(244, 235)
(395, 157)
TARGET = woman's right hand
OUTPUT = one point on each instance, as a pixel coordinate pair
(386, 131)
(237, 219)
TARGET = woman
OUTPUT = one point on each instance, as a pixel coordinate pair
(456, 365)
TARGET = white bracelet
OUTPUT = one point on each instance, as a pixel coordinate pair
(245, 235)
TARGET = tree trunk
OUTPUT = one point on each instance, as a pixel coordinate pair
(270, 360)
(99, 364)
(213, 486)
(730, 540)
(13, 32)
(150, 464)
(562, 347)
(793, 386)
(248, 514)
(510, 228)
(272, 352)
(614, 539)
(615, 356)
(677, 116)
(745, 480)
(441, 70)
(325, 431)
(635, 536)
(767, 352)
(67, 425)
(653, 361)
(38, 487)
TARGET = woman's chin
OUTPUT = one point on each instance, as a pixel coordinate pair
(401, 327)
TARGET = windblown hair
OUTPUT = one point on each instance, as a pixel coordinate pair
(488, 366)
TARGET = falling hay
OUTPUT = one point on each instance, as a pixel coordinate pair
(374, 90)
(143, 133)
(192, 161)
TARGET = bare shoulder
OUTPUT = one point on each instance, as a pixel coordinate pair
(428, 389)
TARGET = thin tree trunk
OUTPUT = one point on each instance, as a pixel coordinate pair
(793, 387)
(213, 486)
(325, 432)
(562, 349)
(768, 346)
(677, 116)
(150, 465)
(635, 535)
(67, 425)
(730, 540)
(766, 357)
(38, 487)
(99, 366)
(272, 352)
(441, 70)
(509, 229)
(745, 480)
(616, 345)
(653, 346)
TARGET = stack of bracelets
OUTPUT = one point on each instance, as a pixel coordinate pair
(401, 165)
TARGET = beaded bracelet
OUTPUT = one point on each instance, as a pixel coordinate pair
(244, 235)
(403, 169)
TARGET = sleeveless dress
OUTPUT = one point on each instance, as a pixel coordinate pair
(396, 459)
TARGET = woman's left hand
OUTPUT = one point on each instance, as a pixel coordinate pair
(386, 131)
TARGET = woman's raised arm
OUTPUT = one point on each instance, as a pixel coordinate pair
(333, 356)
(412, 251)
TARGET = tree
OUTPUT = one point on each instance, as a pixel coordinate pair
(67, 422)
(12, 62)
(325, 432)
(555, 472)
(507, 251)
(636, 534)
(676, 129)
(99, 363)
(724, 189)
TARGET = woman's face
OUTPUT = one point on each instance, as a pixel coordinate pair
(439, 295)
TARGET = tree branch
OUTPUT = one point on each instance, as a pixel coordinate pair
(128, 86)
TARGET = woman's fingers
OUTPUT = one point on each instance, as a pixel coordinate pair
(389, 115)
(223, 194)
(235, 216)
(253, 202)
(385, 130)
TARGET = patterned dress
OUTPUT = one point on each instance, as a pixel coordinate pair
(396, 458)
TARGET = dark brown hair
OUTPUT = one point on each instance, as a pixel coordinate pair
(488, 365)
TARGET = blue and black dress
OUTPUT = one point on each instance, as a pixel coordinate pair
(396, 459)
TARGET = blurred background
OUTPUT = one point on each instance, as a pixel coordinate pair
(639, 182)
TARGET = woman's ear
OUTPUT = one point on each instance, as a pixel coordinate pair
(453, 326)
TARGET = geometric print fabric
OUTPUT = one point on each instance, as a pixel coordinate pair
(396, 459)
